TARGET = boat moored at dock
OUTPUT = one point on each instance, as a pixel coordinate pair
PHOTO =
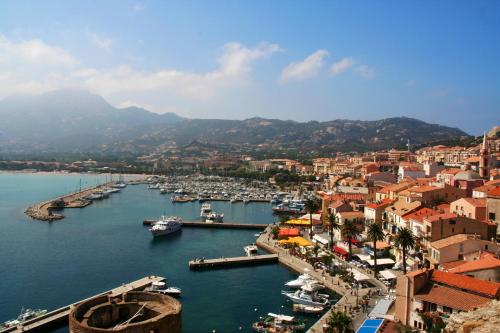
(277, 323)
(166, 226)
(250, 250)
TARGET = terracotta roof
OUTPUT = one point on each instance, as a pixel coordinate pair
(420, 214)
(347, 215)
(379, 204)
(494, 192)
(450, 171)
(422, 189)
(487, 262)
(348, 196)
(455, 239)
(336, 204)
(452, 264)
(491, 289)
(402, 208)
(450, 297)
(476, 202)
(438, 217)
(493, 182)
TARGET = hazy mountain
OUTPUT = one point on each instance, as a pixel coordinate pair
(77, 121)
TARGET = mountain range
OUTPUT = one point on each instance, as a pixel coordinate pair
(76, 121)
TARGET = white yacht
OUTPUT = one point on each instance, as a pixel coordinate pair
(302, 297)
(161, 288)
(166, 225)
(250, 250)
(214, 218)
(206, 209)
(299, 281)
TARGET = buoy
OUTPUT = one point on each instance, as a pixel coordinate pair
(255, 309)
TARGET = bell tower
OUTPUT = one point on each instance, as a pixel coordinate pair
(484, 159)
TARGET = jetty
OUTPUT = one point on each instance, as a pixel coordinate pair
(44, 211)
(59, 317)
(232, 262)
(186, 224)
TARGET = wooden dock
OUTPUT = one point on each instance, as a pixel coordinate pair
(232, 262)
(59, 317)
(186, 224)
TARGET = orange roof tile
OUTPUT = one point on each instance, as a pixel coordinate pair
(383, 203)
(491, 289)
(476, 202)
(450, 297)
(438, 217)
(494, 192)
(420, 214)
(439, 244)
(487, 262)
(425, 188)
(450, 171)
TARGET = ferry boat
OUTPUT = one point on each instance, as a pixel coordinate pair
(166, 226)
(302, 297)
(26, 314)
(161, 287)
(250, 250)
(276, 323)
(206, 209)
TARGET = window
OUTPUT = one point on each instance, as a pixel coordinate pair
(461, 247)
(486, 247)
(415, 324)
(492, 216)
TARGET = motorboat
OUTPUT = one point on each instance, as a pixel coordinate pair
(312, 286)
(307, 308)
(214, 218)
(251, 250)
(305, 298)
(26, 314)
(299, 281)
(161, 287)
(119, 185)
(166, 225)
(206, 209)
(154, 186)
(277, 323)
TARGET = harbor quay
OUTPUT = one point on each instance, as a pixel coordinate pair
(351, 298)
(232, 262)
(44, 211)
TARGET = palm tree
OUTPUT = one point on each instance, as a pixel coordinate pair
(349, 231)
(333, 224)
(375, 234)
(405, 240)
(311, 206)
(340, 322)
(316, 251)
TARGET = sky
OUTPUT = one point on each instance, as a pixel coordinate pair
(438, 61)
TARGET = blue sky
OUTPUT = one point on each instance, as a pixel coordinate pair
(438, 61)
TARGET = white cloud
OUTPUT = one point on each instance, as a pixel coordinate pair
(101, 42)
(305, 69)
(341, 66)
(34, 52)
(364, 71)
(52, 67)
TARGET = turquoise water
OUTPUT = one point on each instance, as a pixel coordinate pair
(48, 265)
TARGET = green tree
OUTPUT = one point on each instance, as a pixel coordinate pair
(275, 231)
(405, 240)
(349, 231)
(316, 249)
(311, 206)
(340, 322)
(333, 224)
(433, 322)
(375, 234)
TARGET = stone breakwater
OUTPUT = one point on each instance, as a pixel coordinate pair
(44, 211)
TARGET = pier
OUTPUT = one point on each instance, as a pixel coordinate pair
(232, 262)
(187, 224)
(44, 211)
(59, 316)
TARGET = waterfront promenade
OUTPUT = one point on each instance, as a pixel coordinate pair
(351, 298)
